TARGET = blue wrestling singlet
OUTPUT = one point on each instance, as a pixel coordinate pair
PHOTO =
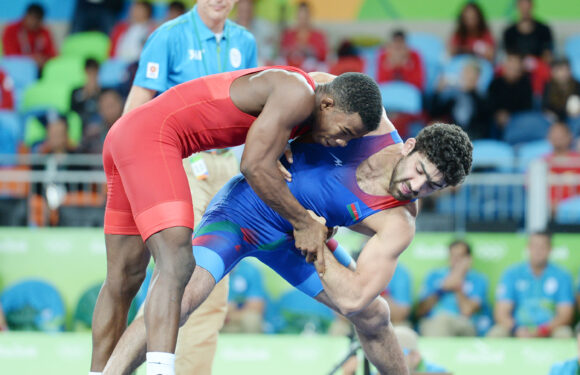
(238, 224)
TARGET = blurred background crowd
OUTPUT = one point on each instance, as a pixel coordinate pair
(512, 83)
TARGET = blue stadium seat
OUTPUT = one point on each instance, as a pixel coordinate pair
(56, 10)
(574, 125)
(575, 67)
(401, 97)
(10, 134)
(528, 152)
(301, 313)
(432, 49)
(568, 211)
(526, 127)
(23, 71)
(572, 47)
(497, 156)
(452, 70)
(33, 305)
(112, 73)
(370, 56)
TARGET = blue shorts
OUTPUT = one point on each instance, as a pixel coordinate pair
(225, 236)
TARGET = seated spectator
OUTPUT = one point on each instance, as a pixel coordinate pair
(96, 15)
(534, 298)
(558, 91)
(6, 92)
(397, 62)
(84, 100)
(29, 37)
(3, 324)
(472, 35)
(510, 92)
(303, 46)
(398, 295)
(409, 342)
(175, 9)
(247, 300)
(463, 105)
(528, 36)
(56, 140)
(571, 366)
(348, 60)
(110, 108)
(562, 161)
(129, 37)
(452, 296)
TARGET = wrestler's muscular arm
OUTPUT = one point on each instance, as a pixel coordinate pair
(393, 230)
(290, 101)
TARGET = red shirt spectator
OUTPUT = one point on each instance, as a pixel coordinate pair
(348, 60)
(399, 63)
(562, 161)
(128, 38)
(29, 37)
(6, 92)
(303, 42)
(472, 34)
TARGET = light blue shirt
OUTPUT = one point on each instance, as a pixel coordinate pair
(569, 367)
(474, 287)
(246, 283)
(535, 298)
(399, 289)
(185, 48)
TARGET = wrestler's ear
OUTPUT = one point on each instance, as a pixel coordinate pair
(326, 103)
(408, 146)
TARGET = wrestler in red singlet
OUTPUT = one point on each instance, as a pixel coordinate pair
(143, 151)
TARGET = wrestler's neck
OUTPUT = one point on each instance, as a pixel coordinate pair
(374, 174)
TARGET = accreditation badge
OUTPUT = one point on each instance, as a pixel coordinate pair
(198, 167)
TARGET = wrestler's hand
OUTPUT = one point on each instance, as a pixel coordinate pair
(288, 154)
(311, 239)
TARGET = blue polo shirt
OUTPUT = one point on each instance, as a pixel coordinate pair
(569, 367)
(535, 298)
(474, 287)
(185, 48)
(246, 283)
(399, 289)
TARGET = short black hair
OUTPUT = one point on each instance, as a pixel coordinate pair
(461, 242)
(36, 10)
(357, 93)
(449, 148)
(399, 33)
(91, 63)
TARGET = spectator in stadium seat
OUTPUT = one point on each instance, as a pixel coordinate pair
(246, 301)
(348, 60)
(96, 15)
(463, 105)
(110, 108)
(472, 35)
(398, 295)
(571, 366)
(85, 100)
(129, 37)
(397, 62)
(6, 91)
(510, 92)
(29, 37)
(562, 160)
(452, 296)
(534, 298)
(175, 9)
(303, 46)
(56, 140)
(528, 36)
(558, 91)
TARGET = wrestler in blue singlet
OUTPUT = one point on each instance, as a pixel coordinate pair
(238, 224)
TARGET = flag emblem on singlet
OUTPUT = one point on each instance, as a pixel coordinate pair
(353, 210)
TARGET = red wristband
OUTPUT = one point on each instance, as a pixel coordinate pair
(544, 330)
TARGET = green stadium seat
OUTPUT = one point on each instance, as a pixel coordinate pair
(87, 44)
(75, 128)
(65, 70)
(47, 95)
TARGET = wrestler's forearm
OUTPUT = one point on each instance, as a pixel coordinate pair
(130, 350)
